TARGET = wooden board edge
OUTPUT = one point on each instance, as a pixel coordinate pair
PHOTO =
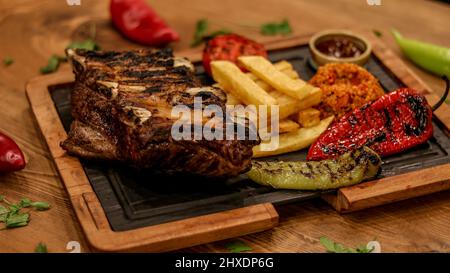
(391, 189)
(188, 232)
(90, 214)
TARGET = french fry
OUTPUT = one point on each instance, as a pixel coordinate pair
(289, 106)
(309, 117)
(240, 85)
(232, 100)
(295, 140)
(283, 65)
(266, 87)
(291, 73)
(266, 71)
(287, 125)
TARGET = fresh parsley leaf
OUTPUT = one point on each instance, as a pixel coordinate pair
(12, 216)
(3, 213)
(41, 248)
(201, 33)
(237, 246)
(40, 205)
(334, 247)
(14, 209)
(377, 33)
(7, 61)
(364, 249)
(17, 220)
(88, 44)
(270, 29)
(55, 60)
(52, 65)
(25, 203)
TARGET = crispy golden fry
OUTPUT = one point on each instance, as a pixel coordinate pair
(290, 106)
(291, 73)
(283, 65)
(265, 86)
(232, 100)
(288, 125)
(232, 79)
(295, 140)
(309, 117)
(266, 71)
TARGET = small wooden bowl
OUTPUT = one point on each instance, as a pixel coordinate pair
(321, 58)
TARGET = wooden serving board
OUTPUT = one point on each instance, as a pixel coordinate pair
(229, 223)
(163, 237)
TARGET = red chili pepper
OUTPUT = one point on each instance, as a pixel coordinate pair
(11, 157)
(139, 22)
(229, 47)
(395, 122)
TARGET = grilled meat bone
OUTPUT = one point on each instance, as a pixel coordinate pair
(121, 105)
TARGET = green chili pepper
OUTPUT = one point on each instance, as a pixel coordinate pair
(433, 58)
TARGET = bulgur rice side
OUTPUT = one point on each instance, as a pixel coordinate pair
(345, 87)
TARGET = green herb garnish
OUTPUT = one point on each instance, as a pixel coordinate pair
(17, 220)
(377, 33)
(40, 205)
(237, 246)
(13, 216)
(88, 44)
(7, 61)
(334, 247)
(52, 64)
(25, 203)
(41, 248)
(270, 29)
(3, 213)
(201, 33)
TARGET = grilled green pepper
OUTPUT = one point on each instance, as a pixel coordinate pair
(433, 58)
(348, 169)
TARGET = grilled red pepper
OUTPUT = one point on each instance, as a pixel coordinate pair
(395, 122)
(139, 22)
(11, 157)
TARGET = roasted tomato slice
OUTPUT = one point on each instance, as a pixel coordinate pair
(229, 47)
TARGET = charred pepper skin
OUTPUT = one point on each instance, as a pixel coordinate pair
(11, 157)
(396, 122)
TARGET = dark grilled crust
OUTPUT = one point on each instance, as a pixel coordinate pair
(105, 127)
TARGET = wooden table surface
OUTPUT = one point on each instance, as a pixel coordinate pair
(31, 31)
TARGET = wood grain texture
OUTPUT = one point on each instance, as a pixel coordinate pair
(34, 30)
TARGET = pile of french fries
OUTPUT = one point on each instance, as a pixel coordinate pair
(274, 84)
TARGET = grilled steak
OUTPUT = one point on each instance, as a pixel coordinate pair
(122, 103)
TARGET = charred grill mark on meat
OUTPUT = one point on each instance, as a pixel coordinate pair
(121, 105)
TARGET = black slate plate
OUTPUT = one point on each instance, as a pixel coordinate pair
(133, 199)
